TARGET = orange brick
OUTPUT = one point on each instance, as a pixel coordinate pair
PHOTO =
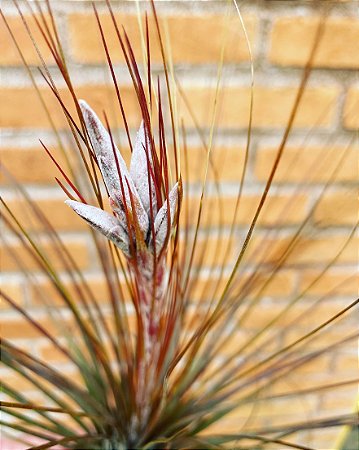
(280, 285)
(272, 106)
(237, 420)
(306, 251)
(324, 249)
(260, 414)
(292, 382)
(329, 336)
(56, 211)
(226, 164)
(351, 107)
(348, 362)
(338, 283)
(293, 37)
(262, 284)
(25, 100)
(292, 406)
(321, 364)
(203, 289)
(30, 165)
(188, 35)
(299, 314)
(212, 252)
(50, 354)
(78, 250)
(9, 55)
(283, 210)
(278, 210)
(14, 291)
(346, 400)
(97, 286)
(21, 328)
(339, 208)
(18, 382)
(240, 337)
(100, 97)
(307, 165)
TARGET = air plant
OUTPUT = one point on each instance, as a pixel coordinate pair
(152, 371)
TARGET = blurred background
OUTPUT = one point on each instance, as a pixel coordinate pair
(281, 34)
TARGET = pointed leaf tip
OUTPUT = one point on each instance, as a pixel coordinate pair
(161, 221)
(103, 222)
(112, 166)
(141, 160)
(83, 104)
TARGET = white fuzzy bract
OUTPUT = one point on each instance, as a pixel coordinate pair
(132, 192)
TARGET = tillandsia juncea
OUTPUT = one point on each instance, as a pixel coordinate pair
(167, 359)
(142, 220)
(144, 214)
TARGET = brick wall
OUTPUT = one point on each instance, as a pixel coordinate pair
(281, 35)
